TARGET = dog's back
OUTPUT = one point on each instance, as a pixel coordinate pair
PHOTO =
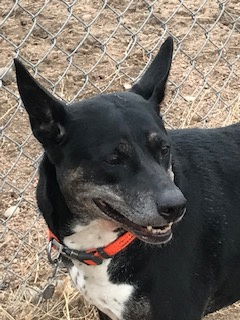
(210, 166)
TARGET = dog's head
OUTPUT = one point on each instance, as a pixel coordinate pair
(111, 153)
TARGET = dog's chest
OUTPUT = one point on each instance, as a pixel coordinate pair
(94, 283)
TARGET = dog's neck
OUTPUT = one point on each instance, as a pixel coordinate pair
(98, 233)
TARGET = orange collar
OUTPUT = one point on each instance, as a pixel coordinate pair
(92, 256)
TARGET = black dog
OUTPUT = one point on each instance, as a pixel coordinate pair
(111, 178)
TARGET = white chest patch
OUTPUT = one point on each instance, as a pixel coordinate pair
(98, 233)
(93, 282)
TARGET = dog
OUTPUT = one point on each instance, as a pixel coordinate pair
(113, 187)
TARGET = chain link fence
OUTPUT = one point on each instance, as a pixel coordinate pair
(78, 48)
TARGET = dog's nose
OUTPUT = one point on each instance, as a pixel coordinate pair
(172, 205)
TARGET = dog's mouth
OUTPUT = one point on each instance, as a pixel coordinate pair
(150, 234)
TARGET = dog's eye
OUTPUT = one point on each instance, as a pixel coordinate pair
(165, 150)
(114, 159)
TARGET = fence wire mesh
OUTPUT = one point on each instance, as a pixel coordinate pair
(79, 48)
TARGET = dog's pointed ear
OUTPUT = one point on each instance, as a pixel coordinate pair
(152, 84)
(47, 114)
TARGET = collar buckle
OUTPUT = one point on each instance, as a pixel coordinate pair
(82, 256)
(56, 250)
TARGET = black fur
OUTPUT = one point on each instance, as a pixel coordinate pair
(107, 137)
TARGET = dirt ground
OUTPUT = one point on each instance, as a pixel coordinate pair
(80, 48)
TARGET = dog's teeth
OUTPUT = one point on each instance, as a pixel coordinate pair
(163, 230)
(156, 230)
